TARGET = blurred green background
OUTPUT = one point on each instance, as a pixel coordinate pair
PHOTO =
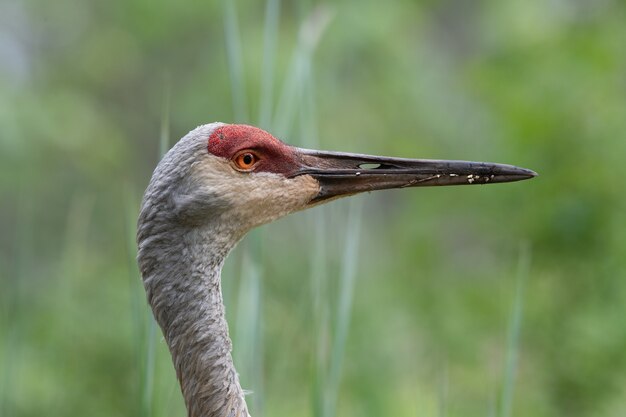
(470, 301)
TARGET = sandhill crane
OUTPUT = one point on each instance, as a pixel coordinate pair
(208, 191)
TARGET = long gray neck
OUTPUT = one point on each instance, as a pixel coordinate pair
(181, 269)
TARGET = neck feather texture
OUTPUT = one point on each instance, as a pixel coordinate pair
(181, 269)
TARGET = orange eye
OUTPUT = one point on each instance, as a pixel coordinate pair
(245, 160)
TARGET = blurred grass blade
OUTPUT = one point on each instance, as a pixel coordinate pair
(249, 347)
(142, 316)
(319, 260)
(164, 136)
(309, 35)
(444, 386)
(13, 296)
(321, 312)
(138, 310)
(308, 113)
(148, 388)
(493, 404)
(344, 307)
(515, 324)
(270, 40)
(235, 61)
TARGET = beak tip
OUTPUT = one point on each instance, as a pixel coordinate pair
(516, 174)
(530, 173)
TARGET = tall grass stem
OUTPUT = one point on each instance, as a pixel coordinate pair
(270, 40)
(515, 325)
(346, 291)
(235, 61)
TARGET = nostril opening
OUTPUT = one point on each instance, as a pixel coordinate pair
(369, 166)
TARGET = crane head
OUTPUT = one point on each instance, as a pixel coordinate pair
(244, 176)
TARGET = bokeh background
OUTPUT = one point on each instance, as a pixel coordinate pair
(471, 301)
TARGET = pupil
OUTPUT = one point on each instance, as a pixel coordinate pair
(247, 159)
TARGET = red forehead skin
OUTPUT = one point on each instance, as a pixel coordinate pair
(274, 156)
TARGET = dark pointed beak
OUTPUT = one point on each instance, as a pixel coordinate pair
(342, 174)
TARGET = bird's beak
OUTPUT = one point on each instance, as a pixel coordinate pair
(342, 174)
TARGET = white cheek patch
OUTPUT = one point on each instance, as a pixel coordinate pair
(253, 198)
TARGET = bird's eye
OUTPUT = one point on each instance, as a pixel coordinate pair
(245, 160)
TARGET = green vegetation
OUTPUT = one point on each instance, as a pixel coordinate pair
(505, 300)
